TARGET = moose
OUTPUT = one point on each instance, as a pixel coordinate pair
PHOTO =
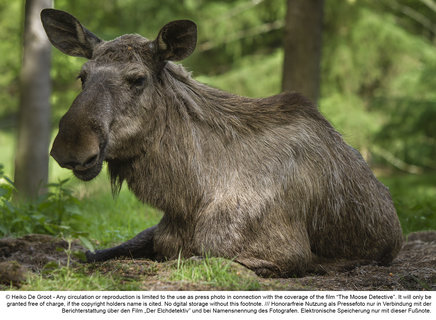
(266, 182)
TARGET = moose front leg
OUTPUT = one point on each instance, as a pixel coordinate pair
(141, 246)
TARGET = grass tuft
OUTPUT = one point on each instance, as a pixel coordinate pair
(215, 272)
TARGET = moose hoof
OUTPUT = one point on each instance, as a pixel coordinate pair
(91, 257)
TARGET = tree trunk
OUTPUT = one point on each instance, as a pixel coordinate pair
(31, 159)
(302, 43)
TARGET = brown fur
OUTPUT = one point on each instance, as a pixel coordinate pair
(267, 182)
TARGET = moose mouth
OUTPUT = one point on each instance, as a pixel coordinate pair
(92, 167)
(88, 173)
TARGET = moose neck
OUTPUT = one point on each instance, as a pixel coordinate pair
(206, 107)
(186, 118)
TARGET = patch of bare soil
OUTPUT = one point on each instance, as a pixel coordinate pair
(413, 269)
(31, 253)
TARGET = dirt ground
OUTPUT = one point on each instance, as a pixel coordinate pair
(413, 269)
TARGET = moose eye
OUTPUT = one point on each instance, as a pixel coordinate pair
(137, 82)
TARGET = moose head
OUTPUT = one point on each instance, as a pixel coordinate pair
(120, 84)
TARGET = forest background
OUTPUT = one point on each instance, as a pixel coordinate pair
(377, 88)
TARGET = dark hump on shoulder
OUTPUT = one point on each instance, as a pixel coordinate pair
(288, 98)
(289, 105)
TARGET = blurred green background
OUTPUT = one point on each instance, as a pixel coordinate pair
(378, 88)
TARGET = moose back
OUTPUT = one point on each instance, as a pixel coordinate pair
(266, 182)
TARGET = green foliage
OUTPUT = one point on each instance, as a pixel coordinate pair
(57, 212)
(377, 80)
(416, 215)
(243, 79)
(414, 198)
(218, 272)
(410, 133)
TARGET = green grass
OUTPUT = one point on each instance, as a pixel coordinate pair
(113, 220)
(216, 272)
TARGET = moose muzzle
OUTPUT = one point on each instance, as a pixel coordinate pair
(79, 152)
(79, 145)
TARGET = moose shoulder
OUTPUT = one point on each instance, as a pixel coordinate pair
(267, 182)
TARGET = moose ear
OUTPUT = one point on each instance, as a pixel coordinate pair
(176, 40)
(67, 34)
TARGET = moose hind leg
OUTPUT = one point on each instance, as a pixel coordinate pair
(281, 257)
(141, 246)
(262, 268)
